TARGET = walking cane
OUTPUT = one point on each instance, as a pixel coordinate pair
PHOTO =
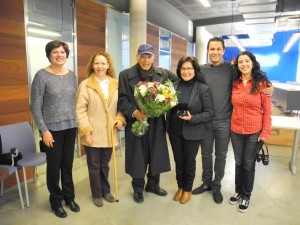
(115, 163)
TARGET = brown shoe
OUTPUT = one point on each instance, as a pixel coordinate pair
(108, 197)
(178, 195)
(185, 197)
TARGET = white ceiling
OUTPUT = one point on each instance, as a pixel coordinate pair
(260, 19)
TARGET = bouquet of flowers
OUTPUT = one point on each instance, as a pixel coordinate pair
(154, 99)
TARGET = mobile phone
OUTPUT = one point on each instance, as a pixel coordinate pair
(182, 109)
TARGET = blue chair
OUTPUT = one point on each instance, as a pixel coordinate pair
(20, 135)
(5, 172)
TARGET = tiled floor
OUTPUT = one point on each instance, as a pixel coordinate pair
(275, 200)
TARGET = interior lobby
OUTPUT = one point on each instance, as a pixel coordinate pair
(175, 28)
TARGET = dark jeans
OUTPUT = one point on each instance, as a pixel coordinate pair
(185, 152)
(59, 167)
(98, 165)
(220, 134)
(245, 149)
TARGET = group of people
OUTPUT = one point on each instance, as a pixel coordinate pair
(217, 101)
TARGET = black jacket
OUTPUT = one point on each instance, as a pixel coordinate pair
(201, 108)
(155, 140)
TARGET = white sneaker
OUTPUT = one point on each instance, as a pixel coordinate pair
(243, 207)
(235, 198)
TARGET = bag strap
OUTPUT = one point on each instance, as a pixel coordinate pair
(14, 153)
(261, 147)
(267, 150)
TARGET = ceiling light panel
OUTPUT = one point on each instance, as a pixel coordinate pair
(259, 15)
(264, 36)
(259, 21)
(223, 29)
(257, 8)
(205, 3)
(260, 28)
(251, 2)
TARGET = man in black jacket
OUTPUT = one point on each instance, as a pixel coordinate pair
(149, 152)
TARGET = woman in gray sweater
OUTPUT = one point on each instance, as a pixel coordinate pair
(53, 96)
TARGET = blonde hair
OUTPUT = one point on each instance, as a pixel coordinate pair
(110, 71)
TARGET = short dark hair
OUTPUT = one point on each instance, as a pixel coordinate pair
(56, 44)
(195, 64)
(216, 39)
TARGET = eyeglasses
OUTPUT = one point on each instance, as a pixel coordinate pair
(188, 69)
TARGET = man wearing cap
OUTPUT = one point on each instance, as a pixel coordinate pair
(149, 152)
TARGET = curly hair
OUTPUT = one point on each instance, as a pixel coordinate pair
(195, 64)
(110, 71)
(256, 74)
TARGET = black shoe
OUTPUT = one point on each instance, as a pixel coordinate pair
(202, 188)
(235, 198)
(218, 197)
(73, 206)
(159, 191)
(243, 207)
(60, 212)
(138, 197)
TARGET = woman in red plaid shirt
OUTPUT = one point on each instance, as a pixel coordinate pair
(250, 123)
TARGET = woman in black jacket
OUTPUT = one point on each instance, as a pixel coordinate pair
(187, 123)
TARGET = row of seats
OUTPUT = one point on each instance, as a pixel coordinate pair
(20, 136)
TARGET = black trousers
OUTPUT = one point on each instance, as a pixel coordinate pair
(138, 184)
(59, 167)
(98, 165)
(185, 152)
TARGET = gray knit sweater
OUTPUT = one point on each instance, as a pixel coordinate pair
(219, 80)
(53, 100)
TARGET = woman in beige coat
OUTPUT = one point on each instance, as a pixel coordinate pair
(97, 115)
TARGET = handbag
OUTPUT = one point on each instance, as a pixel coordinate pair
(11, 158)
(42, 146)
(0, 145)
(262, 155)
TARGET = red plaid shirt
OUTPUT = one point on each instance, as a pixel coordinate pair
(251, 112)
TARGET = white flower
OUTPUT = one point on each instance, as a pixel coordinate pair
(143, 90)
(160, 98)
(173, 103)
(161, 87)
(150, 84)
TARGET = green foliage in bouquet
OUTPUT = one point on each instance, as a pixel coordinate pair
(155, 98)
(139, 128)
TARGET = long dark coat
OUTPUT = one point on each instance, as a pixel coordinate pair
(135, 164)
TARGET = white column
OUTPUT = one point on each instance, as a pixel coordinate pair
(202, 38)
(138, 26)
(298, 68)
